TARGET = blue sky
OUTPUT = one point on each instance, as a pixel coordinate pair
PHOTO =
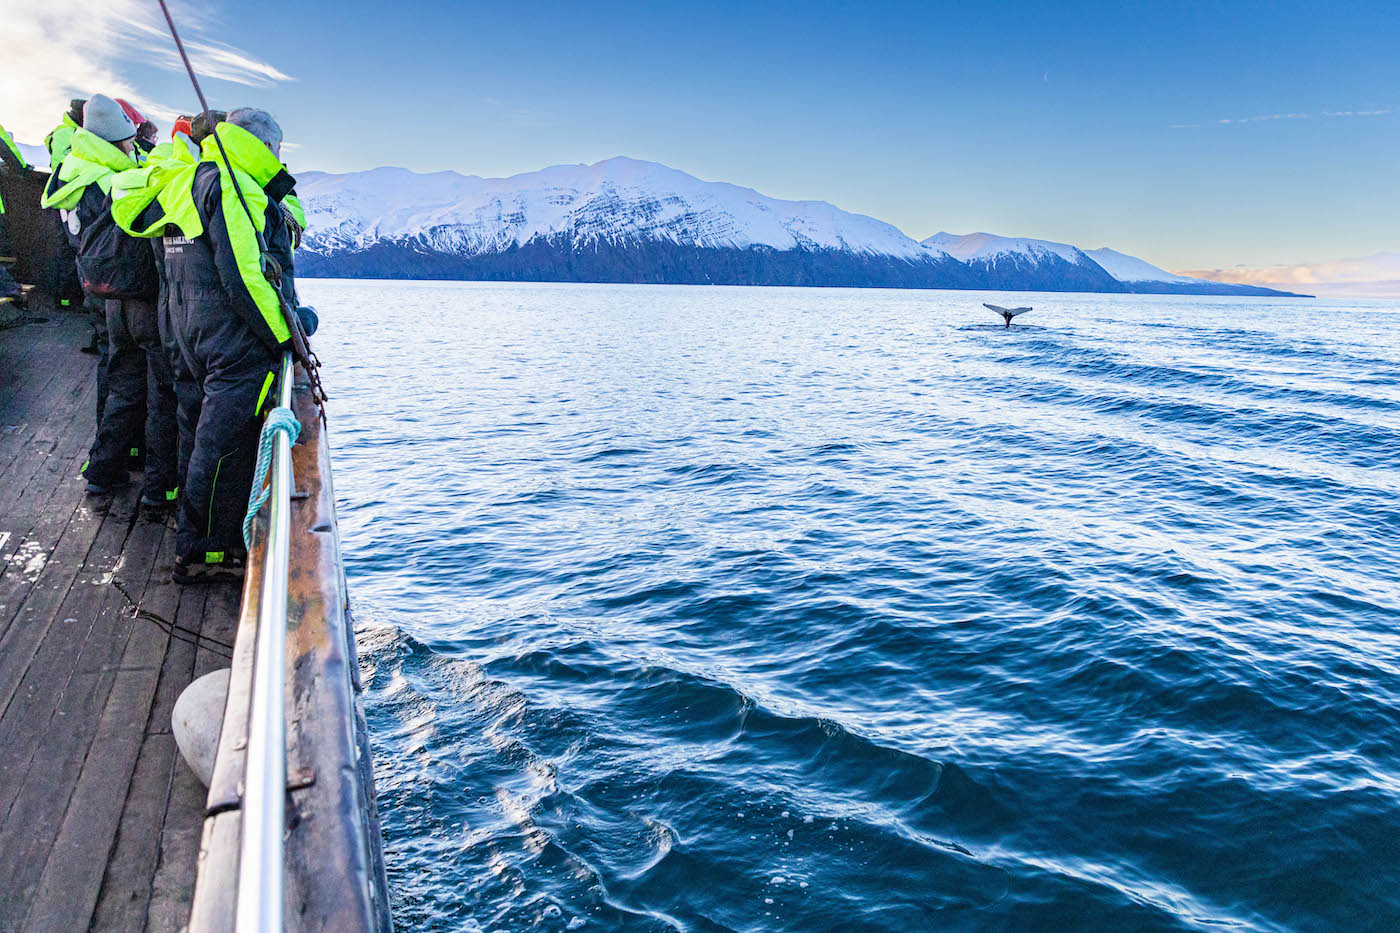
(1096, 124)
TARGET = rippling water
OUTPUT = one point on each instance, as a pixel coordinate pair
(830, 610)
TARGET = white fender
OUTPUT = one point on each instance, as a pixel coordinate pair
(197, 719)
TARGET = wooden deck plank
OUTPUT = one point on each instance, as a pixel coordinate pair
(69, 887)
(172, 887)
(66, 891)
(99, 819)
(33, 597)
(51, 726)
(24, 351)
(178, 669)
(58, 370)
(63, 377)
(20, 461)
(30, 485)
(43, 474)
(37, 508)
(125, 893)
(54, 636)
(65, 435)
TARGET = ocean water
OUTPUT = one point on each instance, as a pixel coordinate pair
(763, 609)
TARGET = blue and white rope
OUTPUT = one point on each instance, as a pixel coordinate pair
(279, 419)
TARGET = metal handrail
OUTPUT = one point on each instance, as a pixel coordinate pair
(259, 903)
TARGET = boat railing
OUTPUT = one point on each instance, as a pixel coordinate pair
(260, 861)
(291, 830)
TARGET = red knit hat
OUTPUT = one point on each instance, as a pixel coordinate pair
(132, 113)
(182, 125)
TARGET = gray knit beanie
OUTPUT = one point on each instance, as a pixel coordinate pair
(105, 118)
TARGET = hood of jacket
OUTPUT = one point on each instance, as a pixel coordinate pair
(92, 160)
(248, 155)
(164, 195)
(57, 141)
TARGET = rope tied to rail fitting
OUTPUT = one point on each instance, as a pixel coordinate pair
(281, 420)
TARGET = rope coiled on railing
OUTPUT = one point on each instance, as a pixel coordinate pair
(279, 419)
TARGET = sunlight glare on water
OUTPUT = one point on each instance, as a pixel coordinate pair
(767, 609)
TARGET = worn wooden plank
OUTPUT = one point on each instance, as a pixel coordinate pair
(331, 835)
(20, 454)
(69, 887)
(178, 669)
(28, 353)
(42, 381)
(215, 889)
(56, 720)
(58, 546)
(88, 768)
(220, 628)
(28, 720)
(47, 400)
(32, 488)
(66, 891)
(26, 492)
(125, 895)
(172, 888)
(33, 554)
(225, 787)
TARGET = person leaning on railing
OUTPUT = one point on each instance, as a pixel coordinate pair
(227, 320)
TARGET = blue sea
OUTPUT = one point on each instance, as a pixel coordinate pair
(764, 609)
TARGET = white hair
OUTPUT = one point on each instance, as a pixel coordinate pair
(258, 122)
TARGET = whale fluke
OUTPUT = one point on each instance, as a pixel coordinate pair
(1007, 313)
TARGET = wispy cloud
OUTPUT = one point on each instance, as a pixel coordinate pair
(224, 62)
(59, 49)
(1268, 117)
(1263, 118)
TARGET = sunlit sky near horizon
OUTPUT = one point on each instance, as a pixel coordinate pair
(1197, 136)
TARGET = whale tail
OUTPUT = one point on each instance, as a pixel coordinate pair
(1006, 313)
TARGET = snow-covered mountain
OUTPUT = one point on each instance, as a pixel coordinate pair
(1044, 265)
(1019, 262)
(1144, 278)
(36, 156)
(616, 221)
(624, 220)
(1127, 268)
(615, 200)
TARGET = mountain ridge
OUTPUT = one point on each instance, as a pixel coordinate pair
(626, 220)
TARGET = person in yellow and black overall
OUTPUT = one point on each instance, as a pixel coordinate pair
(59, 143)
(139, 414)
(227, 321)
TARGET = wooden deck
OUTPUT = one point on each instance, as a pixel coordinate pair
(100, 819)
